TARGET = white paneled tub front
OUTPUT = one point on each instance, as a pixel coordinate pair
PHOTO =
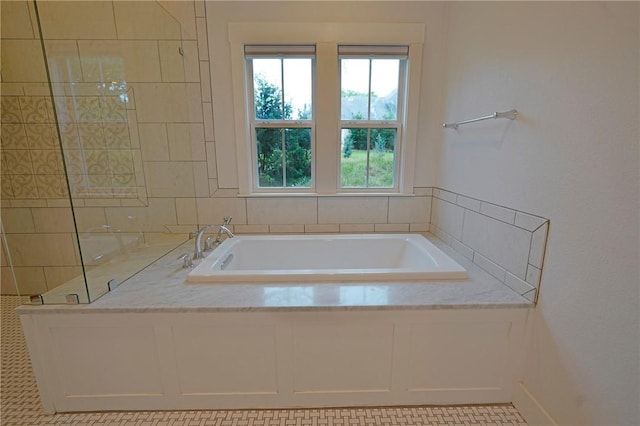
(274, 359)
(304, 258)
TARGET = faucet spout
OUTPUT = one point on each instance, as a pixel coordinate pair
(198, 253)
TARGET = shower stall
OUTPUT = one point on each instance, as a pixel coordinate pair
(105, 141)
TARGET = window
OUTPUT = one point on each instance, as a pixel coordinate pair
(314, 115)
(281, 122)
(371, 114)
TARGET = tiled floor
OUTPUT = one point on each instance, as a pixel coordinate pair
(19, 402)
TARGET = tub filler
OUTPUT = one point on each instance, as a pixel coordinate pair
(313, 258)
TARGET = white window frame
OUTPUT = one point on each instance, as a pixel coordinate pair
(282, 52)
(372, 53)
(326, 37)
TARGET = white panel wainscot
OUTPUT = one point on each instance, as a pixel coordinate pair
(274, 358)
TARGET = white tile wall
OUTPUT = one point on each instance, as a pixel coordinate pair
(419, 227)
(201, 179)
(286, 229)
(507, 243)
(120, 60)
(77, 20)
(51, 220)
(64, 60)
(521, 287)
(332, 228)
(353, 210)
(42, 249)
(504, 244)
(17, 220)
(529, 222)
(213, 210)
(251, 229)
(90, 219)
(154, 141)
(159, 213)
(538, 243)
(409, 209)
(145, 20)
(281, 211)
(357, 227)
(56, 275)
(186, 211)
(391, 227)
(31, 280)
(170, 179)
(468, 203)
(162, 102)
(22, 60)
(15, 20)
(448, 217)
(176, 66)
(489, 266)
(497, 212)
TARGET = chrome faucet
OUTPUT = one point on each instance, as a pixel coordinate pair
(198, 253)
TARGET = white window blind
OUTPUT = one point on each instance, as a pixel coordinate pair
(280, 50)
(364, 50)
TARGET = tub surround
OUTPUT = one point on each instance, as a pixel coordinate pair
(279, 345)
(161, 287)
(507, 243)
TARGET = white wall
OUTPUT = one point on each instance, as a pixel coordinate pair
(571, 69)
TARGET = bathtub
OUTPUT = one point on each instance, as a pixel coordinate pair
(305, 258)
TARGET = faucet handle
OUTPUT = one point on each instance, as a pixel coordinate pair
(207, 244)
(186, 260)
(227, 220)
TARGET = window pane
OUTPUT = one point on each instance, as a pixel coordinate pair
(353, 161)
(381, 158)
(269, 76)
(269, 152)
(384, 89)
(368, 158)
(298, 88)
(267, 89)
(354, 89)
(298, 157)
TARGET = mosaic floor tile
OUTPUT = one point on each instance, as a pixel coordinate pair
(20, 405)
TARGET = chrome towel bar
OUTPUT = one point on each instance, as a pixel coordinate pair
(511, 115)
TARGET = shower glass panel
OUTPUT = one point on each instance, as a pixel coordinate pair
(120, 89)
(38, 226)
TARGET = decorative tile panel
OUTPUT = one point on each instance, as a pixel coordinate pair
(14, 136)
(10, 110)
(96, 139)
(24, 186)
(41, 136)
(36, 109)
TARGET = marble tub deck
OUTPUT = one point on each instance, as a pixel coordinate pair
(161, 287)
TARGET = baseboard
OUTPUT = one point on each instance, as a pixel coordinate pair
(529, 407)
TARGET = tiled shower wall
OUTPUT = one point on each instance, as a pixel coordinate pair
(131, 93)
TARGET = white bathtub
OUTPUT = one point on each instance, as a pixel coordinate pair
(305, 258)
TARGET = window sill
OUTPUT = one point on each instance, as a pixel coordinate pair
(314, 194)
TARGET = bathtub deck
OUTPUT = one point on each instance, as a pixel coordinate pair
(161, 287)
